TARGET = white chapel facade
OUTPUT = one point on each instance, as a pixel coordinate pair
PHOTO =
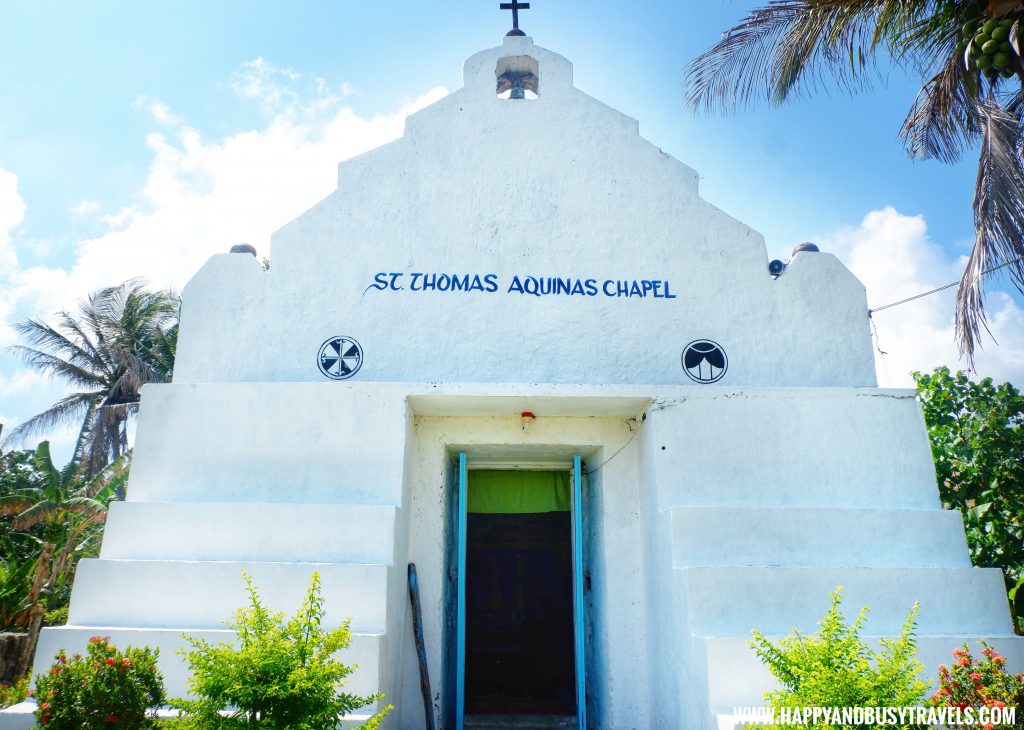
(566, 388)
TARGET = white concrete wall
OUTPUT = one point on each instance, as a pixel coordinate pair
(710, 511)
(560, 186)
(241, 443)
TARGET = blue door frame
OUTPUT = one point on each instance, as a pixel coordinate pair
(577, 593)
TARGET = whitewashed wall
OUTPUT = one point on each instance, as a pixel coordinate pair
(559, 186)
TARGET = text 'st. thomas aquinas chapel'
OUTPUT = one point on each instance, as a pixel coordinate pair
(610, 436)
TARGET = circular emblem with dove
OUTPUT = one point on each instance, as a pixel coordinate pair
(704, 361)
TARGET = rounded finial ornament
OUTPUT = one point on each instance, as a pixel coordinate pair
(805, 246)
(243, 248)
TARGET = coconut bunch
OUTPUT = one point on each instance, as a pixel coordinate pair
(993, 46)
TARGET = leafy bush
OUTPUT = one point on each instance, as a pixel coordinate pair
(56, 617)
(978, 683)
(834, 668)
(104, 689)
(12, 694)
(281, 676)
(976, 431)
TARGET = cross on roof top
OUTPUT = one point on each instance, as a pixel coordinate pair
(515, 6)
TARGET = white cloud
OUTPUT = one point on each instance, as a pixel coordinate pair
(20, 382)
(893, 256)
(158, 109)
(86, 208)
(201, 196)
(12, 211)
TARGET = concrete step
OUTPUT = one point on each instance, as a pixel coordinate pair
(818, 537)
(731, 601)
(203, 595)
(247, 442)
(20, 717)
(737, 678)
(325, 533)
(364, 650)
(703, 446)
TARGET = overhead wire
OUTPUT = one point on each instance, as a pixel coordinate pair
(938, 289)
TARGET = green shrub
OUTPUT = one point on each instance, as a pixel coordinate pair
(282, 675)
(12, 694)
(104, 689)
(978, 683)
(56, 617)
(835, 668)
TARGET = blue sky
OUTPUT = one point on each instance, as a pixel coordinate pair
(139, 138)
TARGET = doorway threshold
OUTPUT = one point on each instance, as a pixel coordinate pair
(519, 722)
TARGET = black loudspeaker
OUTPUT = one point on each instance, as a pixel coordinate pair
(776, 267)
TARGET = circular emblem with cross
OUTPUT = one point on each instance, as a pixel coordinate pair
(704, 361)
(340, 358)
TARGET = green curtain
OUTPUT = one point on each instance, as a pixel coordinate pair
(518, 492)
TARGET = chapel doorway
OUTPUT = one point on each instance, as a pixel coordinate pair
(521, 614)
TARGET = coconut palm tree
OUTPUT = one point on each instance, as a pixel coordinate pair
(969, 54)
(121, 338)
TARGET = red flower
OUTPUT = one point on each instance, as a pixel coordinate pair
(987, 651)
(111, 662)
(959, 652)
(975, 676)
(964, 662)
(44, 706)
(44, 719)
(62, 659)
(126, 662)
(999, 659)
(112, 718)
(55, 670)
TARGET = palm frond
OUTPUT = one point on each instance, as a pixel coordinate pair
(786, 45)
(55, 366)
(68, 409)
(63, 341)
(998, 220)
(944, 118)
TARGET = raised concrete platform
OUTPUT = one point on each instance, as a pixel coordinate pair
(766, 448)
(202, 595)
(364, 651)
(818, 537)
(234, 531)
(20, 717)
(352, 465)
(730, 601)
